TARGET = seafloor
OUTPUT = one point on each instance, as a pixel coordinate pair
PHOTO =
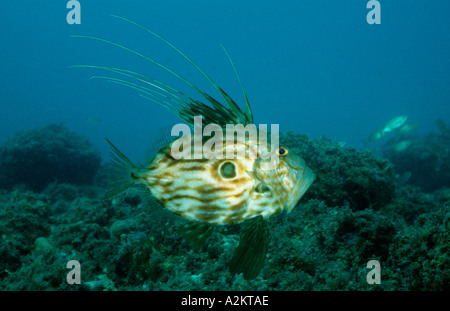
(361, 207)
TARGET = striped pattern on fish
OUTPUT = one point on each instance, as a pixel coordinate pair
(196, 189)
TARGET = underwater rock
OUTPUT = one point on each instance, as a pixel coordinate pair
(24, 217)
(43, 246)
(120, 227)
(102, 282)
(323, 244)
(317, 247)
(345, 176)
(40, 156)
(410, 202)
(61, 191)
(427, 159)
(422, 252)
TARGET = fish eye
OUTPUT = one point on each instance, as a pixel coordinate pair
(282, 151)
(227, 170)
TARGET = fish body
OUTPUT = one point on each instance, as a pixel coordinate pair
(376, 135)
(402, 145)
(406, 128)
(394, 124)
(246, 188)
(223, 191)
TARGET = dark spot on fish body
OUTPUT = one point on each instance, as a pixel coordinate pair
(239, 181)
(154, 166)
(238, 206)
(240, 194)
(264, 204)
(193, 179)
(233, 219)
(174, 190)
(166, 184)
(204, 203)
(174, 162)
(160, 159)
(207, 217)
(208, 208)
(192, 169)
(208, 190)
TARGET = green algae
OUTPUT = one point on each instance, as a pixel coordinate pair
(354, 212)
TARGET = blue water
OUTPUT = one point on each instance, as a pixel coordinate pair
(315, 67)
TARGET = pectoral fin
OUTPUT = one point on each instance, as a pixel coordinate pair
(197, 233)
(250, 255)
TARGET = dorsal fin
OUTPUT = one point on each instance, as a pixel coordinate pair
(174, 100)
(161, 139)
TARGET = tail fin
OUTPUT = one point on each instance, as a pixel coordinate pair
(122, 171)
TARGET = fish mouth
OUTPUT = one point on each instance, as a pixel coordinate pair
(304, 177)
(296, 178)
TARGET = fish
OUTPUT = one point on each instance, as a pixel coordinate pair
(376, 135)
(407, 127)
(210, 191)
(402, 145)
(394, 124)
(391, 125)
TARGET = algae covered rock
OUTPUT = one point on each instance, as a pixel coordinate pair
(325, 243)
(422, 252)
(24, 217)
(37, 157)
(426, 160)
